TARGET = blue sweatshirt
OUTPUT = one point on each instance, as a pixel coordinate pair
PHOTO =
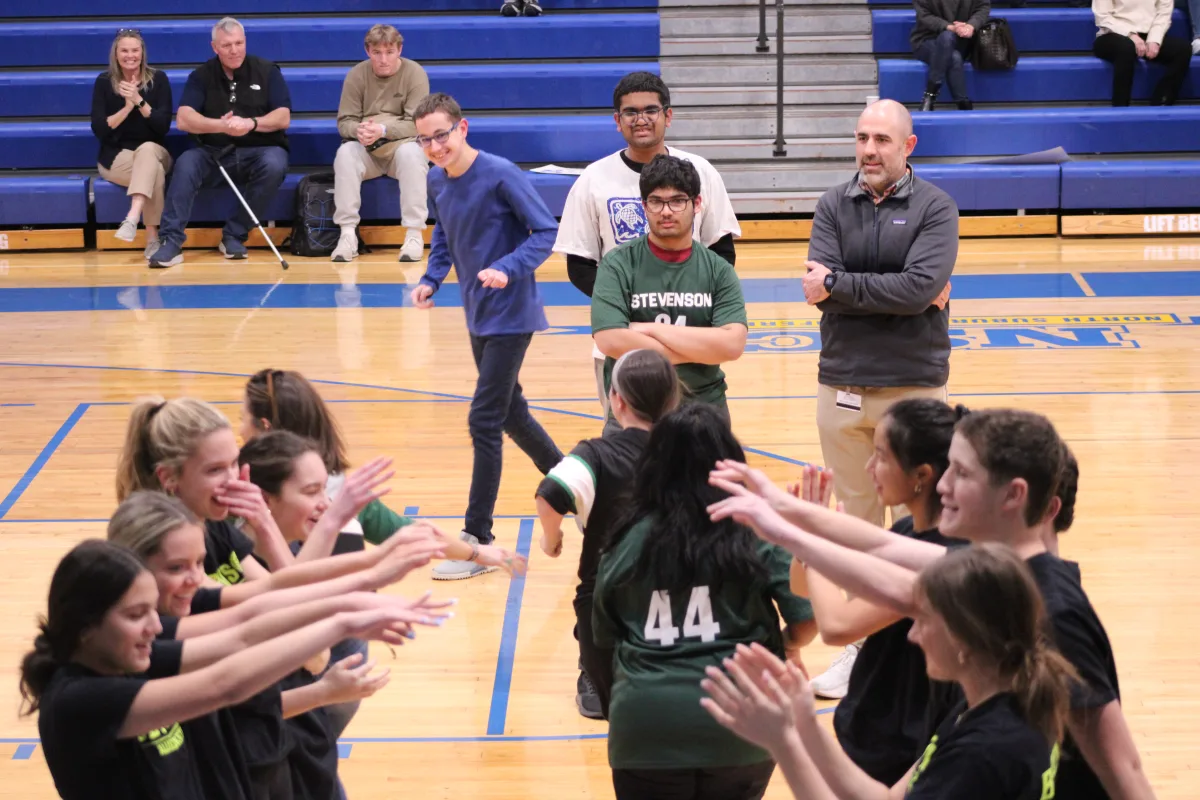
(491, 217)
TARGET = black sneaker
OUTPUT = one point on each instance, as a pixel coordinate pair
(532, 9)
(586, 699)
(511, 8)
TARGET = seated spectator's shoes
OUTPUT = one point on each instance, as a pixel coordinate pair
(586, 699)
(151, 246)
(532, 9)
(233, 249)
(511, 8)
(965, 105)
(168, 254)
(414, 247)
(928, 101)
(127, 232)
(1196, 46)
(347, 247)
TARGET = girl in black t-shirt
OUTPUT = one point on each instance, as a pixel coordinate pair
(882, 721)
(592, 483)
(186, 448)
(110, 699)
(981, 624)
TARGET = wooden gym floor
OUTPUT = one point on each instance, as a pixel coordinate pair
(1100, 335)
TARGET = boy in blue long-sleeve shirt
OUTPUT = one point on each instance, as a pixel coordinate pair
(496, 231)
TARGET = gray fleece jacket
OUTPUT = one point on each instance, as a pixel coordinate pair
(892, 260)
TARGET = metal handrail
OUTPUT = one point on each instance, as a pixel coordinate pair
(780, 144)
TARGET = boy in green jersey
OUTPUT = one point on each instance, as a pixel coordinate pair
(668, 293)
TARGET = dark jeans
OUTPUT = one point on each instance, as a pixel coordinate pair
(596, 661)
(1192, 8)
(257, 171)
(499, 407)
(1175, 54)
(717, 783)
(945, 55)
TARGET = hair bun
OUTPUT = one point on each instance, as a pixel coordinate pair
(960, 411)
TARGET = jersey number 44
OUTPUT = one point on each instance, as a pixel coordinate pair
(697, 620)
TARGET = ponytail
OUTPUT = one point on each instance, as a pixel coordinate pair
(648, 383)
(37, 670)
(135, 469)
(1042, 685)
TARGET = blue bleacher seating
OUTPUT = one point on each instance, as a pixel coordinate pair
(994, 187)
(1033, 80)
(1079, 131)
(1035, 30)
(219, 8)
(380, 199)
(308, 39)
(540, 140)
(1131, 184)
(44, 200)
(318, 89)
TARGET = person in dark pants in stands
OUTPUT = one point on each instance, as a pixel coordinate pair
(942, 38)
(231, 99)
(1133, 29)
(131, 114)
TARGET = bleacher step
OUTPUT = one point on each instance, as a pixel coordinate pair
(814, 148)
(726, 122)
(815, 44)
(752, 70)
(774, 202)
(763, 94)
(743, 21)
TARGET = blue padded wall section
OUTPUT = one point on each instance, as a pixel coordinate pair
(1131, 184)
(988, 187)
(295, 38)
(1079, 131)
(318, 89)
(1035, 30)
(1033, 80)
(220, 8)
(44, 200)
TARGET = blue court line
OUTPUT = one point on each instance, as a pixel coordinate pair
(15, 494)
(343, 748)
(992, 286)
(17, 405)
(411, 511)
(24, 752)
(502, 685)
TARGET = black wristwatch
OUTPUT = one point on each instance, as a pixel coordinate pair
(830, 279)
(141, 103)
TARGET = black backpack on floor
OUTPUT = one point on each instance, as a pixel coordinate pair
(313, 230)
(994, 48)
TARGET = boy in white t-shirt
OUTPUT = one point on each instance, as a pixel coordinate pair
(604, 208)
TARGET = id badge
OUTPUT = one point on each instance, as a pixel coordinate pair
(849, 401)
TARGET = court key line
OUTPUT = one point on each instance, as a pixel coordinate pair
(505, 658)
(38, 463)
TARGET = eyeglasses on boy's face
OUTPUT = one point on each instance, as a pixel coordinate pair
(650, 113)
(441, 137)
(677, 203)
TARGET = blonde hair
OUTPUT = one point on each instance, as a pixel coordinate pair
(115, 74)
(383, 34)
(144, 519)
(162, 433)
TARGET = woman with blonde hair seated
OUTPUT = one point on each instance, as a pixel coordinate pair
(131, 114)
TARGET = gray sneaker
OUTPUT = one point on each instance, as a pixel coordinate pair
(127, 232)
(460, 570)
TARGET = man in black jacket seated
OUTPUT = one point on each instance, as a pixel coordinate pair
(233, 98)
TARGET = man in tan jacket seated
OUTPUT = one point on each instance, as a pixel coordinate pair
(375, 119)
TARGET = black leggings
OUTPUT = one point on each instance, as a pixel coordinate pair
(596, 661)
(716, 783)
(1175, 55)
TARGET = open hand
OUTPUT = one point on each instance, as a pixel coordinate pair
(493, 278)
(514, 564)
(815, 486)
(755, 708)
(737, 472)
(361, 487)
(746, 508)
(351, 679)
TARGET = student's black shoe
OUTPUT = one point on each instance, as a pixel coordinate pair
(532, 9)
(586, 699)
(965, 105)
(511, 8)
(927, 103)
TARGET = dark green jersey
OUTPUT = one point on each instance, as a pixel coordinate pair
(634, 285)
(663, 642)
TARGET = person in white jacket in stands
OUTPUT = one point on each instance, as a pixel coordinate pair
(1133, 29)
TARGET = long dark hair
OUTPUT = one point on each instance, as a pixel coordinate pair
(919, 431)
(648, 383)
(672, 489)
(287, 400)
(272, 458)
(991, 603)
(87, 583)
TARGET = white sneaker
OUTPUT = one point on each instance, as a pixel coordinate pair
(460, 570)
(833, 682)
(151, 246)
(414, 246)
(1196, 46)
(127, 232)
(347, 247)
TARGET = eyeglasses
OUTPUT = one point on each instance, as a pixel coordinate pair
(676, 204)
(129, 32)
(441, 137)
(651, 113)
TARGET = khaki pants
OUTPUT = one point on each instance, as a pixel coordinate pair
(353, 164)
(847, 442)
(143, 171)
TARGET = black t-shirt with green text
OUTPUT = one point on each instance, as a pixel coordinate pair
(634, 285)
(663, 642)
